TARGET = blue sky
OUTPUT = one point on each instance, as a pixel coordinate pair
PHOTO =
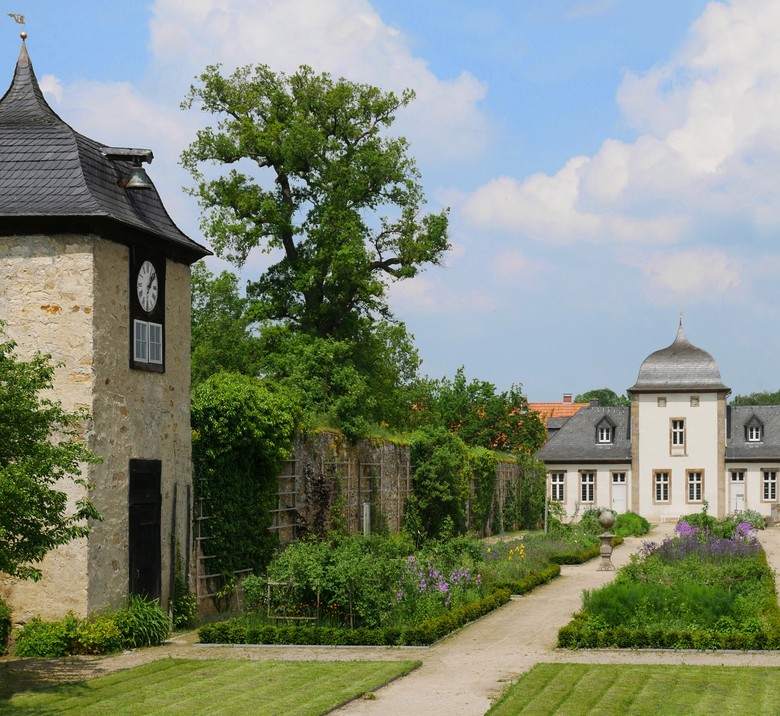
(608, 163)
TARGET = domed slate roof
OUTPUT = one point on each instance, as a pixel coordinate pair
(55, 180)
(679, 367)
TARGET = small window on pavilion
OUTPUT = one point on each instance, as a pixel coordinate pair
(605, 431)
(754, 430)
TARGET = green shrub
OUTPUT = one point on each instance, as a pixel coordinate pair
(38, 638)
(141, 623)
(631, 524)
(241, 630)
(5, 626)
(100, 636)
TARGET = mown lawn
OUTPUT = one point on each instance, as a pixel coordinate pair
(634, 690)
(193, 687)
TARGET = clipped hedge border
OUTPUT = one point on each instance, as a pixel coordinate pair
(533, 580)
(577, 636)
(233, 631)
(583, 555)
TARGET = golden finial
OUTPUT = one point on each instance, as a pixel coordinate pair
(23, 35)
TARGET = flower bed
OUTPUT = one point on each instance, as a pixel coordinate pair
(697, 590)
(248, 630)
(356, 590)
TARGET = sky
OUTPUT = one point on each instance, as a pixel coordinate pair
(609, 165)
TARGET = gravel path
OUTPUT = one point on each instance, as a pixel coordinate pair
(459, 676)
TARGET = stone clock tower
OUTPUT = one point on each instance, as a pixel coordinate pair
(95, 272)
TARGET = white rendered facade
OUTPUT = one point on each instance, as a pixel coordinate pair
(676, 448)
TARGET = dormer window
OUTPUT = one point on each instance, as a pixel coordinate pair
(754, 430)
(605, 431)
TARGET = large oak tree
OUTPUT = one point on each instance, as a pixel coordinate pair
(315, 178)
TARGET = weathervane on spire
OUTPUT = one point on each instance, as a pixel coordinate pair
(681, 317)
(19, 20)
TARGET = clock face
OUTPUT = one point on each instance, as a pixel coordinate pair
(147, 286)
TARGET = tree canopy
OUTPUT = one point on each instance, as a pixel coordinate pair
(479, 414)
(605, 396)
(317, 182)
(760, 398)
(39, 448)
(222, 326)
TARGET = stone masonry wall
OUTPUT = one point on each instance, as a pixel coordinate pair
(137, 414)
(46, 303)
(68, 296)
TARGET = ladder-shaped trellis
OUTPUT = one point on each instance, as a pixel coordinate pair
(208, 582)
(285, 515)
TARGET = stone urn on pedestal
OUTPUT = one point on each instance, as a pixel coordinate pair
(606, 520)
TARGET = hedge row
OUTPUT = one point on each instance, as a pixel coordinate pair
(577, 635)
(583, 555)
(533, 580)
(237, 631)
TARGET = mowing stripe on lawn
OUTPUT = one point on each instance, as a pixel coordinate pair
(191, 687)
(639, 690)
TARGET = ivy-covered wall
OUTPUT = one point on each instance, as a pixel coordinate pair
(327, 481)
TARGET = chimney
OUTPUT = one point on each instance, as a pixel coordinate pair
(567, 397)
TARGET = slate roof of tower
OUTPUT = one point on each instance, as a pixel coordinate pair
(54, 179)
(576, 441)
(678, 367)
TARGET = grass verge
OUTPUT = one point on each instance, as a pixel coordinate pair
(192, 687)
(636, 690)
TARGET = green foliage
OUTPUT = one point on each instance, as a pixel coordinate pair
(141, 623)
(40, 445)
(222, 327)
(38, 638)
(696, 591)
(759, 398)
(634, 604)
(440, 483)
(243, 432)
(322, 142)
(605, 396)
(478, 414)
(98, 636)
(631, 524)
(68, 636)
(246, 630)
(184, 605)
(483, 464)
(5, 625)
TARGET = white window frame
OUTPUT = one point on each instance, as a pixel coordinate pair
(558, 486)
(605, 434)
(678, 432)
(677, 436)
(662, 486)
(694, 485)
(147, 342)
(768, 485)
(754, 433)
(737, 476)
(587, 487)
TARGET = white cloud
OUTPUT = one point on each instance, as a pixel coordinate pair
(429, 295)
(708, 148)
(692, 275)
(344, 37)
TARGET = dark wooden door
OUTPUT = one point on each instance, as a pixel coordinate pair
(144, 538)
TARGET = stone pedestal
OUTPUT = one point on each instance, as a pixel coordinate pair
(607, 520)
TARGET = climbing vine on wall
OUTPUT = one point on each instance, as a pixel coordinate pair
(242, 433)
